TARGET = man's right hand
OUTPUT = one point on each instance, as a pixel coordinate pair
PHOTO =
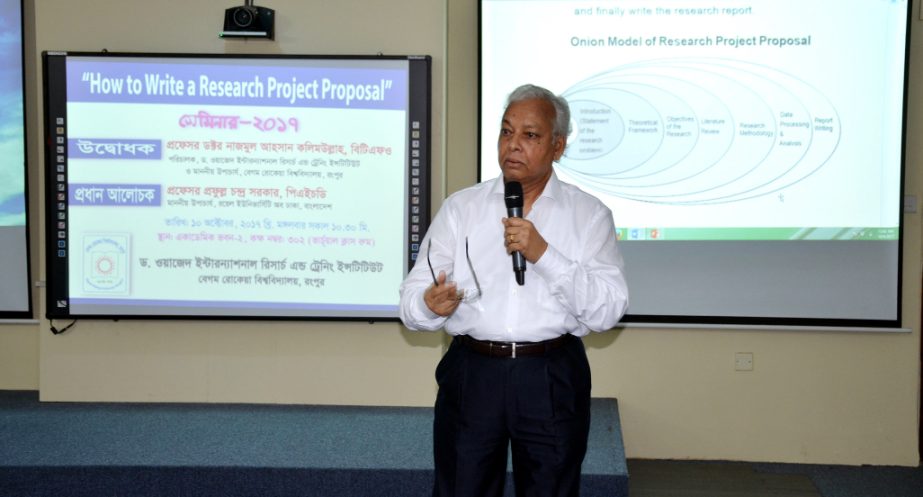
(442, 297)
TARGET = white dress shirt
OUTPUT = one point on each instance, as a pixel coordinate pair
(577, 286)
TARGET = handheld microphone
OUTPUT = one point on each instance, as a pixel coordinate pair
(513, 198)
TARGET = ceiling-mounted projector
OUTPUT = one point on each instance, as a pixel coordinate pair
(248, 21)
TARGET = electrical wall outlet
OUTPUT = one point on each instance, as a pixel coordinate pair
(743, 361)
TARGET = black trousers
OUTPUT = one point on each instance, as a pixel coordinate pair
(538, 407)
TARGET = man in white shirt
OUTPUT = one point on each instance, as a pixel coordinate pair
(516, 373)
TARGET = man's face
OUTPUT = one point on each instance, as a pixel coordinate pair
(525, 148)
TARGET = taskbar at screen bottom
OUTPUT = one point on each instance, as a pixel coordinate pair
(81, 307)
(803, 233)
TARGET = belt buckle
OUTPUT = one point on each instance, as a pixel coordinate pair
(514, 349)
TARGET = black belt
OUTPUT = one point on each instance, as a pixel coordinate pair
(511, 349)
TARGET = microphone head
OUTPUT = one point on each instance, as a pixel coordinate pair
(513, 195)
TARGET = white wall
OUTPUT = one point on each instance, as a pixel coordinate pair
(816, 397)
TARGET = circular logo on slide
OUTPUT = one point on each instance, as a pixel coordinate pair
(105, 265)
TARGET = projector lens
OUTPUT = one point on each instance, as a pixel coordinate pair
(243, 17)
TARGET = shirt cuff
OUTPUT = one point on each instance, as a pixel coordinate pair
(551, 264)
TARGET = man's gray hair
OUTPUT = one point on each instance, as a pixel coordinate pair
(561, 109)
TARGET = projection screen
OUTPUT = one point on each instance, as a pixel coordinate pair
(234, 186)
(15, 295)
(751, 151)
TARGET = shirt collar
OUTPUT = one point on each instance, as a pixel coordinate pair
(552, 188)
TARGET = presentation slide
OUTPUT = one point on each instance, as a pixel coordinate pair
(726, 120)
(244, 187)
(15, 298)
(762, 119)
